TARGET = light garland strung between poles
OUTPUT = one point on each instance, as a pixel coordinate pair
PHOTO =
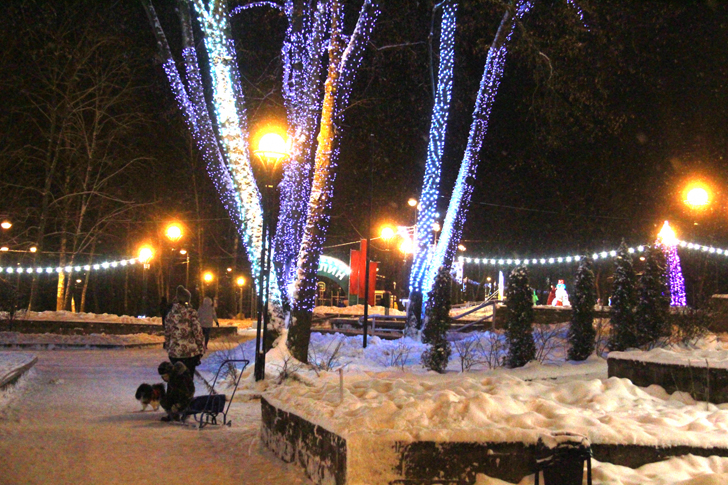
(577, 258)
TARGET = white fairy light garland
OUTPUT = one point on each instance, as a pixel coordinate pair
(577, 258)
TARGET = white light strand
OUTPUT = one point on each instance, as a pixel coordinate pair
(575, 258)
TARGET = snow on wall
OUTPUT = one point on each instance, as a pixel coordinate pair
(505, 409)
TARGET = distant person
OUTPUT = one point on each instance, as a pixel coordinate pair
(207, 315)
(386, 301)
(552, 295)
(183, 333)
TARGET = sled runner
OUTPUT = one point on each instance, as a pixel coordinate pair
(205, 409)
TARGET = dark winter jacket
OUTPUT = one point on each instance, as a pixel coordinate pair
(180, 387)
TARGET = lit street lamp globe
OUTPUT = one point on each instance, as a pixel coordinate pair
(145, 254)
(271, 147)
(207, 277)
(6, 224)
(387, 233)
(240, 281)
(173, 232)
(697, 197)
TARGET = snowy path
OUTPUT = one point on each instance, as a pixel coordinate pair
(74, 420)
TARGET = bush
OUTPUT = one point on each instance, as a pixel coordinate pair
(624, 333)
(519, 332)
(581, 331)
(690, 325)
(653, 307)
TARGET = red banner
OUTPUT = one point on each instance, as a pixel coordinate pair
(372, 282)
(354, 276)
(362, 267)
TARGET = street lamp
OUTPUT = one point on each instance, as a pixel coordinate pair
(271, 150)
(240, 281)
(6, 225)
(186, 253)
(387, 233)
(173, 232)
(146, 253)
(207, 277)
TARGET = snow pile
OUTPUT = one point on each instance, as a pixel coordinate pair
(66, 316)
(684, 470)
(507, 409)
(15, 338)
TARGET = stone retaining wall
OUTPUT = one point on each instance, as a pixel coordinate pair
(326, 456)
(702, 382)
(85, 328)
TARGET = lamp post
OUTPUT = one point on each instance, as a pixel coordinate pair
(173, 232)
(271, 150)
(146, 253)
(240, 281)
(186, 253)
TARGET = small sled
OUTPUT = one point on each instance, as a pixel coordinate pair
(206, 409)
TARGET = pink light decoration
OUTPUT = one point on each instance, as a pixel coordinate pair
(667, 240)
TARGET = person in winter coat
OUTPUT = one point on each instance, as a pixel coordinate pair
(180, 390)
(207, 315)
(183, 333)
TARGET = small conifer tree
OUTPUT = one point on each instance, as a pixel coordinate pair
(519, 332)
(653, 306)
(582, 334)
(437, 312)
(623, 302)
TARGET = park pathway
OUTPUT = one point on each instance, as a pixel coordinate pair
(74, 420)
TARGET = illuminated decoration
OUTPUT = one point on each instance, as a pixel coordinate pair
(344, 62)
(334, 269)
(226, 157)
(424, 237)
(489, 83)
(668, 242)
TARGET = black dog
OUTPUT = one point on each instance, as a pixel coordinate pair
(150, 395)
(180, 389)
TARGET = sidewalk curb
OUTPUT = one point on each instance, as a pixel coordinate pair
(17, 373)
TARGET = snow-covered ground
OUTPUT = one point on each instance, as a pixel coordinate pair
(387, 393)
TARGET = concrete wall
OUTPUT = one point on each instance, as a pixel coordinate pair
(701, 382)
(326, 456)
(545, 315)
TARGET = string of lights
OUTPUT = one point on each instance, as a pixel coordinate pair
(427, 208)
(303, 51)
(344, 62)
(602, 255)
(460, 200)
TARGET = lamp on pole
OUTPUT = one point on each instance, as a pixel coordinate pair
(173, 232)
(186, 253)
(146, 253)
(271, 150)
(240, 281)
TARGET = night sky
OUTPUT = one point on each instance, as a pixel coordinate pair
(598, 126)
